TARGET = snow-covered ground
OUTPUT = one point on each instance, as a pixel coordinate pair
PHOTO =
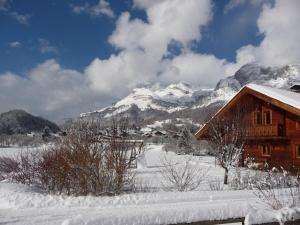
(179, 122)
(15, 151)
(24, 205)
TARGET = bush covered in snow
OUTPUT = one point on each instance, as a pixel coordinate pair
(278, 189)
(24, 168)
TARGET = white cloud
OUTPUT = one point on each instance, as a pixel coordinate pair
(120, 73)
(144, 46)
(15, 44)
(168, 21)
(49, 90)
(279, 25)
(5, 8)
(21, 18)
(45, 47)
(102, 8)
(199, 69)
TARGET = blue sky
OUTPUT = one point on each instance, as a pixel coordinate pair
(59, 58)
(78, 39)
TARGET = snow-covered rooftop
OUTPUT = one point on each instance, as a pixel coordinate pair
(287, 97)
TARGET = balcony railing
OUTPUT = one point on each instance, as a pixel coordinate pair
(265, 131)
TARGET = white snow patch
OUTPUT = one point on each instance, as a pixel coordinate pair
(288, 97)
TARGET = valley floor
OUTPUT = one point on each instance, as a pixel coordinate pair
(25, 205)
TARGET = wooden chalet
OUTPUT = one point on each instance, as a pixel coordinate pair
(272, 130)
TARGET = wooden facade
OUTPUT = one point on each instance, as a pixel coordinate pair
(271, 131)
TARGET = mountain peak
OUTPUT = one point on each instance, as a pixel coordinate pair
(158, 97)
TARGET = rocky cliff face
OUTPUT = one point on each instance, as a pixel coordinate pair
(279, 77)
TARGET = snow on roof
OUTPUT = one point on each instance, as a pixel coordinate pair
(287, 97)
(284, 96)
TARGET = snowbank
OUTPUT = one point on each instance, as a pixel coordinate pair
(142, 208)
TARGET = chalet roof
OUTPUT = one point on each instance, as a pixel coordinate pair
(288, 100)
(287, 97)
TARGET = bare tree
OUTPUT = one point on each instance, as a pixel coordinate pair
(186, 176)
(227, 135)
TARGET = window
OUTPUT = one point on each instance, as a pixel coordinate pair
(257, 118)
(266, 150)
(267, 117)
(298, 151)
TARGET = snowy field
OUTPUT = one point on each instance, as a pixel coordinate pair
(15, 151)
(25, 205)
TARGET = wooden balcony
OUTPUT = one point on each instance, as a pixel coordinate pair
(265, 131)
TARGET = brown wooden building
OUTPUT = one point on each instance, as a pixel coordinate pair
(272, 131)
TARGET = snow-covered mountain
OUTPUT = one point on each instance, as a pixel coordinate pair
(158, 102)
(174, 97)
(279, 77)
(170, 98)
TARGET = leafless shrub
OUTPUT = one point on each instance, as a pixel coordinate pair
(242, 179)
(27, 168)
(22, 169)
(143, 186)
(54, 171)
(87, 163)
(245, 179)
(186, 176)
(278, 189)
(215, 185)
(84, 162)
(7, 165)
